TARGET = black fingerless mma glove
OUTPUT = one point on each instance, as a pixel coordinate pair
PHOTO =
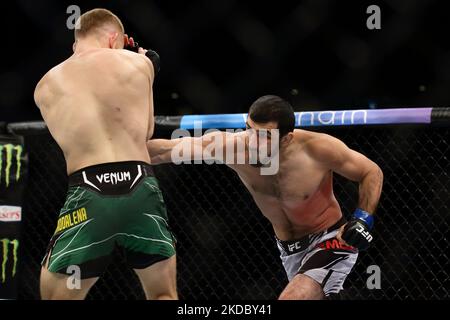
(357, 232)
(154, 58)
(134, 48)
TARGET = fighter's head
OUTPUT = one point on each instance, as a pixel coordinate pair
(266, 113)
(272, 112)
(100, 25)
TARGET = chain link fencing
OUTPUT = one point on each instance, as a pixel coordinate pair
(226, 248)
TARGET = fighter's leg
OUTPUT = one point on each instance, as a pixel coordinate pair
(320, 272)
(159, 280)
(149, 244)
(302, 287)
(55, 286)
(83, 238)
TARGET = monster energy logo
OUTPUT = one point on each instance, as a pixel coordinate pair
(6, 245)
(9, 150)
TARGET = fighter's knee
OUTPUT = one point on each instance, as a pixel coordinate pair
(291, 294)
(300, 294)
(286, 296)
(302, 288)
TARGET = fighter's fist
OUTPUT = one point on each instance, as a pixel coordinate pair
(154, 58)
(130, 44)
(357, 232)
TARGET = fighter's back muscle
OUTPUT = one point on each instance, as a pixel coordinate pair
(93, 75)
(94, 97)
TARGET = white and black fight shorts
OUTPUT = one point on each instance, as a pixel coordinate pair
(319, 256)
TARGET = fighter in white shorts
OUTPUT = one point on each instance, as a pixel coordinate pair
(318, 247)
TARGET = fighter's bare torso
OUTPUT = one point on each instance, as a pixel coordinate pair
(98, 106)
(298, 200)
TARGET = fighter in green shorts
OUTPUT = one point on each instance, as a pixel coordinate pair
(98, 106)
(108, 206)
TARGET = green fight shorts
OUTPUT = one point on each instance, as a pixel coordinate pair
(109, 206)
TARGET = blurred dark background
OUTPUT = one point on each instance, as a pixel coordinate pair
(218, 56)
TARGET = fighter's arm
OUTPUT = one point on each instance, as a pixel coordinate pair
(336, 156)
(150, 60)
(147, 67)
(211, 146)
(160, 150)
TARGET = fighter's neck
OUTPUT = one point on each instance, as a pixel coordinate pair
(87, 45)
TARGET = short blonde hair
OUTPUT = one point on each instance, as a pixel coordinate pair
(94, 19)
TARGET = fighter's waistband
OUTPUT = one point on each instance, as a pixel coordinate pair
(112, 178)
(293, 246)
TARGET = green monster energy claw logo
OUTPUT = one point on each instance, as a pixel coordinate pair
(6, 244)
(9, 149)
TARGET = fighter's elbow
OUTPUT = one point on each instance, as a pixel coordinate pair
(154, 151)
(378, 171)
(159, 158)
(375, 173)
(151, 148)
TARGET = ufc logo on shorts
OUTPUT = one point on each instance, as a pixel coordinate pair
(294, 246)
(365, 234)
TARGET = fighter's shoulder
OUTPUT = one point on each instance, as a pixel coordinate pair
(132, 56)
(111, 57)
(123, 60)
(137, 59)
(316, 143)
(307, 137)
(43, 85)
(50, 74)
(39, 90)
(102, 56)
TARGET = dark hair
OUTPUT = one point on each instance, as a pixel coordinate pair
(273, 108)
